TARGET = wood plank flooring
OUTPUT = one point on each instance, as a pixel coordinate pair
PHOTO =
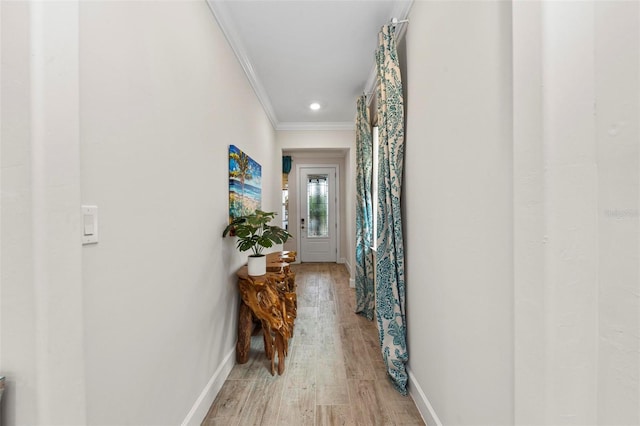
(334, 373)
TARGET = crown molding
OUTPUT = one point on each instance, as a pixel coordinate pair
(400, 11)
(338, 125)
(221, 15)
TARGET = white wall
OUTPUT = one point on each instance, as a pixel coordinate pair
(576, 207)
(330, 139)
(17, 299)
(162, 98)
(41, 290)
(317, 139)
(458, 211)
(571, 299)
(130, 106)
(617, 123)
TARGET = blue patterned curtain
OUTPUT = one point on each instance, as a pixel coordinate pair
(364, 212)
(390, 290)
(286, 164)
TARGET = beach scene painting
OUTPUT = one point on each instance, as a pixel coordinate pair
(245, 183)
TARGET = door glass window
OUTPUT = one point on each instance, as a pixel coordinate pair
(318, 206)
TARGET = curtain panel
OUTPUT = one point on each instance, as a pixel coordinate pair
(390, 279)
(286, 164)
(364, 212)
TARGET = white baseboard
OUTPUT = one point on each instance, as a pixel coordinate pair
(424, 406)
(208, 394)
(347, 264)
(352, 282)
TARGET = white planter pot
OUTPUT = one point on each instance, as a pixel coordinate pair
(257, 265)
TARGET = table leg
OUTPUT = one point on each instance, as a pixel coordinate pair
(268, 340)
(280, 347)
(245, 326)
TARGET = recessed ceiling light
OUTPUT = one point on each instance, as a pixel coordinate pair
(314, 106)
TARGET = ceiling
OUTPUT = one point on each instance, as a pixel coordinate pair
(296, 52)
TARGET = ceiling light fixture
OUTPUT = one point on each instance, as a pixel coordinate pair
(314, 106)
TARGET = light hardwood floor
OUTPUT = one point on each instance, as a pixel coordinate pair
(334, 373)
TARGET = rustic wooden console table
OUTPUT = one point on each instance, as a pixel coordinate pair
(269, 299)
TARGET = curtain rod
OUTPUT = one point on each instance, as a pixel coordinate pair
(395, 21)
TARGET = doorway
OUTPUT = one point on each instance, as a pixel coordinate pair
(317, 218)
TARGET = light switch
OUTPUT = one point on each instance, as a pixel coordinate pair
(89, 224)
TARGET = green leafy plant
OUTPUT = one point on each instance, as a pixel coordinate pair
(255, 233)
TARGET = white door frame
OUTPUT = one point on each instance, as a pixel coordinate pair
(336, 204)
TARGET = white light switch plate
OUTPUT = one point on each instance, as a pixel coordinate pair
(89, 224)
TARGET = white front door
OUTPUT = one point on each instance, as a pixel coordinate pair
(317, 223)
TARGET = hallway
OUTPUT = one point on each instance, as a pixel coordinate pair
(334, 373)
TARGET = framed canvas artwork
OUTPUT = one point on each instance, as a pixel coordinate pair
(245, 183)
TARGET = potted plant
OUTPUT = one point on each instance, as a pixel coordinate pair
(254, 233)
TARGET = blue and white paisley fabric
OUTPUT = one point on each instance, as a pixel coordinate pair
(390, 280)
(364, 212)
